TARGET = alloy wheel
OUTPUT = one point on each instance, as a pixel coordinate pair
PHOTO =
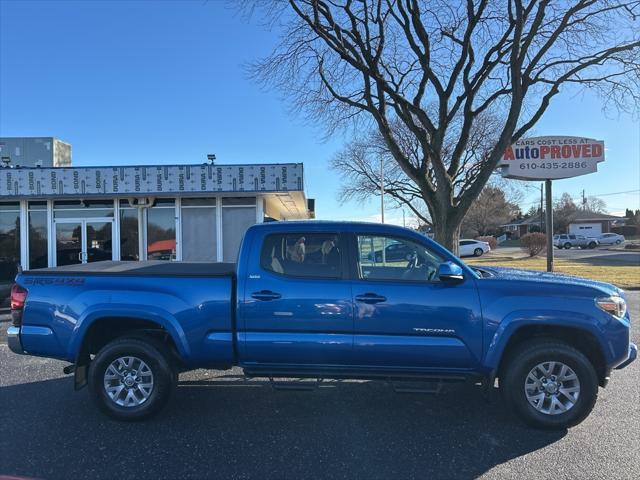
(552, 388)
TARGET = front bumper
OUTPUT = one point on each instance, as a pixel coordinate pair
(13, 339)
(633, 354)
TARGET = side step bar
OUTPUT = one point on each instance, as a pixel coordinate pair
(404, 387)
(295, 384)
(357, 375)
(284, 379)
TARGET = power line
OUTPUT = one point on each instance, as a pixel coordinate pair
(614, 193)
(534, 202)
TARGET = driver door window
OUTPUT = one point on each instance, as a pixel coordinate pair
(396, 259)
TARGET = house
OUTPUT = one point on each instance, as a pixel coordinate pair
(581, 223)
(517, 228)
(591, 224)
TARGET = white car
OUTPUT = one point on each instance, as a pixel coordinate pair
(475, 248)
(610, 239)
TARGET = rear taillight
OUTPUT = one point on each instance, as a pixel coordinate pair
(18, 299)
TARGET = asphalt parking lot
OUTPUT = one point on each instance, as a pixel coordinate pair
(219, 426)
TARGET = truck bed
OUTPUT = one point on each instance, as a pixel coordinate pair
(153, 268)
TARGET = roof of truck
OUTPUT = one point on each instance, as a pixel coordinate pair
(330, 223)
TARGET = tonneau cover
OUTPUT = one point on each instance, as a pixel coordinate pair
(151, 268)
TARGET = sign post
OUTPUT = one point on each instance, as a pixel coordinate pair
(551, 158)
(549, 221)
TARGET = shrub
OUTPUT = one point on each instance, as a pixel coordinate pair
(533, 243)
(493, 243)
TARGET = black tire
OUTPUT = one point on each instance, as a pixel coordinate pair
(478, 252)
(559, 247)
(524, 359)
(618, 242)
(592, 245)
(567, 246)
(155, 355)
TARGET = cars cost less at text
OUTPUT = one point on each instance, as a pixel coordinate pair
(320, 300)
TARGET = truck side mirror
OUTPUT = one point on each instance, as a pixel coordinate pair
(449, 271)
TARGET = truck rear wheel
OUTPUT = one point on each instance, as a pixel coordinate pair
(549, 384)
(131, 378)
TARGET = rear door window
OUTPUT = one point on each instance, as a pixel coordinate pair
(313, 255)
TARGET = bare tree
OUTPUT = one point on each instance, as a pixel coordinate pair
(365, 159)
(491, 210)
(594, 204)
(436, 67)
(564, 210)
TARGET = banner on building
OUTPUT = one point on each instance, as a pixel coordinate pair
(149, 180)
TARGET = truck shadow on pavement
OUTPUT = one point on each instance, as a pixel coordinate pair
(226, 427)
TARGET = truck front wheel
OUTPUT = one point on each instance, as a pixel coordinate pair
(549, 384)
(132, 378)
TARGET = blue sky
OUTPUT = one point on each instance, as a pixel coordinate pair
(163, 82)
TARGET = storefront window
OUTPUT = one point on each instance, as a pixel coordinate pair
(129, 235)
(238, 214)
(83, 208)
(199, 230)
(9, 248)
(161, 230)
(38, 250)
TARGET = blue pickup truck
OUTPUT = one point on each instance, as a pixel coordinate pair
(321, 300)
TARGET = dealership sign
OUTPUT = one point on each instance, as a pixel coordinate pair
(550, 158)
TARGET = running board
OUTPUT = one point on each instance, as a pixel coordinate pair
(434, 389)
(357, 375)
(295, 384)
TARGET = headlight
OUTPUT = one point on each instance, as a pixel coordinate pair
(615, 306)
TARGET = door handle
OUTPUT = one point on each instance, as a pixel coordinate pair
(371, 298)
(265, 295)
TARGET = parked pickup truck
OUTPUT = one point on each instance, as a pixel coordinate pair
(311, 300)
(570, 241)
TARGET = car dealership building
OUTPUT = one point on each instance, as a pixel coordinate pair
(60, 215)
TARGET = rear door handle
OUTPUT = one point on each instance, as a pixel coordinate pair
(371, 298)
(265, 295)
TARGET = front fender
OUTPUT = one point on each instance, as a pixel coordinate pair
(147, 312)
(550, 318)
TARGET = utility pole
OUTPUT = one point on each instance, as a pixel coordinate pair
(404, 223)
(584, 200)
(382, 189)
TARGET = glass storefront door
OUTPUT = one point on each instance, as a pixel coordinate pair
(68, 242)
(82, 241)
(99, 245)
